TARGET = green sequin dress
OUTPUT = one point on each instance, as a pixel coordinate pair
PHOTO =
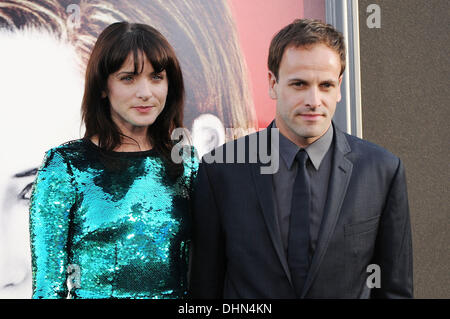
(109, 224)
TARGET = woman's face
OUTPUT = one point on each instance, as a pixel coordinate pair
(40, 101)
(136, 99)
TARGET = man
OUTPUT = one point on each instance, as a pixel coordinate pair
(331, 222)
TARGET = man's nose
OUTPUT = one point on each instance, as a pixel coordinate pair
(313, 97)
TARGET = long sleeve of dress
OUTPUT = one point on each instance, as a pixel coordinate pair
(192, 167)
(51, 201)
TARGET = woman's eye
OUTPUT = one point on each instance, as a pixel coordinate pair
(127, 78)
(157, 76)
(25, 194)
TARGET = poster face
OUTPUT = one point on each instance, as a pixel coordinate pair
(222, 46)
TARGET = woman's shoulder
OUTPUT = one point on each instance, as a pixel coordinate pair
(67, 149)
(190, 155)
(190, 160)
(67, 146)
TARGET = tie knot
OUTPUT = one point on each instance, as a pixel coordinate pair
(301, 157)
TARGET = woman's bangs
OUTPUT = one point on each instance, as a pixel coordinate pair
(137, 45)
(156, 54)
(118, 54)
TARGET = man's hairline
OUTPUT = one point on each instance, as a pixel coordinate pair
(306, 46)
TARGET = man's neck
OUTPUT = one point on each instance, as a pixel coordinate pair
(300, 141)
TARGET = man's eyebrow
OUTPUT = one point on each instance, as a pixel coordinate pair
(329, 81)
(305, 81)
(297, 80)
(30, 172)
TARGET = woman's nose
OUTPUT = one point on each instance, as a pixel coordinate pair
(15, 276)
(15, 264)
(144, 90)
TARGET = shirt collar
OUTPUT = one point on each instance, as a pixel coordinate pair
(316, 151)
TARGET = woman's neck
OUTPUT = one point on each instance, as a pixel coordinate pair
(133, 144)
(133, 140)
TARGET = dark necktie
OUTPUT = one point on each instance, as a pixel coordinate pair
(298, 243)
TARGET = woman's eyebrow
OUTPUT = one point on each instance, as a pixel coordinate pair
(30, 172)
(125, 72)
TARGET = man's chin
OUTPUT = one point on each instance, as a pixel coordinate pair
(310, 134)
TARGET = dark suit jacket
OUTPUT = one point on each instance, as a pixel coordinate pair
(237, 249)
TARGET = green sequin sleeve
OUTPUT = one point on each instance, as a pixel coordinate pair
(111, 224)
(52, 198)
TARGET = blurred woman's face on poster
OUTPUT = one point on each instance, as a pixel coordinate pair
(40, 97)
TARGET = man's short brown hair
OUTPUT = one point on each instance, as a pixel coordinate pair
(304, 33)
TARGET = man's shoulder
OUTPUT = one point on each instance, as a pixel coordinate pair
(250, 147)
(363, 151)
(239, 154)
(368, 148)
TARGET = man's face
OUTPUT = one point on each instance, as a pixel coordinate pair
(307, 90)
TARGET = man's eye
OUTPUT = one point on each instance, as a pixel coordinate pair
(298, 84)
(327, 85)
(25, 194)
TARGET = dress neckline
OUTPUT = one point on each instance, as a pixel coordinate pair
(92, 145)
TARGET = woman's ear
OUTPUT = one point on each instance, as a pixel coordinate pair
(104, 95)
(208, 133)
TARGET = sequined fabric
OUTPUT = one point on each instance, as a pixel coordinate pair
(111, 224)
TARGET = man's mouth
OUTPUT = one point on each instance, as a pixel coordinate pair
(311, 116)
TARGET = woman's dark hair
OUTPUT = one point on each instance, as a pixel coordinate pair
(112, 48)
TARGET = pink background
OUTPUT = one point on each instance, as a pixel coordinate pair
(257, 22)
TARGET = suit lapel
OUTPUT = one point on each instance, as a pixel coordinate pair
(264, 189)
(341, 172)
(263, 185)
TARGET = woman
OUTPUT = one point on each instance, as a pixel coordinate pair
(109, 213)
(204, 36)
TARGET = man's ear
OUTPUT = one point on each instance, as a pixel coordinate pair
(272, 85)
(339, 89)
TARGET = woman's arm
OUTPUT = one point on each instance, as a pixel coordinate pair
(52, 198)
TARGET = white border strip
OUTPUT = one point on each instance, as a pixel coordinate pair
(357, 69)
(348, 99)
(343, 14)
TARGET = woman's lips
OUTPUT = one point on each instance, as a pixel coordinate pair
(142, 109)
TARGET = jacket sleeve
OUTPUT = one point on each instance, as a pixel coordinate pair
(51, 201)
(208, 254)
(393, 252)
